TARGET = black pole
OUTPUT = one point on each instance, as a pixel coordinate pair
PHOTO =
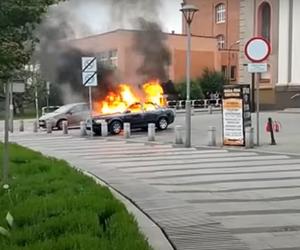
(253, 92)
(270, 124)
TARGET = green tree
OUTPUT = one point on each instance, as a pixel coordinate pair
(18, 20)
(212, 81)
(196, 90)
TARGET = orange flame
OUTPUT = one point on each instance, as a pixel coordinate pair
(119, 100)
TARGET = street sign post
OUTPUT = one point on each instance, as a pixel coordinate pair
(257, 50)
(89, 79)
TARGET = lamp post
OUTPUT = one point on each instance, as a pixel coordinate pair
(229, 60)
(188, 13)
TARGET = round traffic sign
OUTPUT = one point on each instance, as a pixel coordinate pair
(257, 49)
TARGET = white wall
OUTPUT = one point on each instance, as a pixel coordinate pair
(283, 54)
(296, 44)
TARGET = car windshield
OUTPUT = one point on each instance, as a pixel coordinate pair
(149, 106)
(135, 108)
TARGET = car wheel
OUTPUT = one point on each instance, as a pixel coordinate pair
(116, 127)
(60, 124)
(162, 123)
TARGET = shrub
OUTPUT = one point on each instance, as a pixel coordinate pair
(56, 207)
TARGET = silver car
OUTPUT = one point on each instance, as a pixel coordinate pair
(73, 113)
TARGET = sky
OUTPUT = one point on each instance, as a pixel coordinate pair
(98, 21)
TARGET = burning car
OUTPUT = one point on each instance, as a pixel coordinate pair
(139, 115)
(139, 107)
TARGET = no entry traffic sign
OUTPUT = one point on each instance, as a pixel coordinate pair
(257, 49)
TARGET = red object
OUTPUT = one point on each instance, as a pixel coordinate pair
(258, 38)
(276, 126)
(268, 127)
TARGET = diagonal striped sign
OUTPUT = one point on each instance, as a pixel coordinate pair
(89, 71)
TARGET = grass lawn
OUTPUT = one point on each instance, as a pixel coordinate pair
(57, 208)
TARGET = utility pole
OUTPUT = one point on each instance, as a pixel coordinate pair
(6, 136)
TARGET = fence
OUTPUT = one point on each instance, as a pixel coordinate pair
(197, 104)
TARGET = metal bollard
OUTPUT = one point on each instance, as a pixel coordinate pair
(127, 131)
(49, 127)
(65, 127)
(212, 140)
(178, 135)
(82, 129)
(192, 111)
(35, 127)
(249, 140)
(210, 109)
(21, 126)
(104, 129)
(151, 132)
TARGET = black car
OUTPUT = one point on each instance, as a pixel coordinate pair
(138, 115)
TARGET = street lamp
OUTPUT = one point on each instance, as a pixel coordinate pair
(188, 13)
(229, 60)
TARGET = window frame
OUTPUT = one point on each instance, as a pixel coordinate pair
(220, 13)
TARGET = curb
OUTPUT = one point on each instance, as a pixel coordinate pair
(153, 233)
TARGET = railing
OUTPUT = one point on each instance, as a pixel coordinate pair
(197, 104)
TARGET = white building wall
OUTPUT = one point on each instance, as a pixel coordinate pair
(283, 49)
(296, 44)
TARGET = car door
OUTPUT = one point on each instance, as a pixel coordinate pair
(77, 114)
(151, 113)
(135, 115)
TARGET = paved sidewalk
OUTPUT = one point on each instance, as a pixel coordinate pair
(185, 224)
(202, 199)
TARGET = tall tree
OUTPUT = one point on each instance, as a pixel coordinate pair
(18, 20)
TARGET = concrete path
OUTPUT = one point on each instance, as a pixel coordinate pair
(202, 199)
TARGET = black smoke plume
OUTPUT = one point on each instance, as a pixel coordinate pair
(150, 44)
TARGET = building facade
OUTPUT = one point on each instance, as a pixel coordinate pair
(117, 49)
(220, 19)
(276, 21)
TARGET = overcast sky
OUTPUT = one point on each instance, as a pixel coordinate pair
(98, 21)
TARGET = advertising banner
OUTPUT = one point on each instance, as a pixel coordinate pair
(236, 114)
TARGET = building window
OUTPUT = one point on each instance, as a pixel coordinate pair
(220, 13)
(224, 70)
(265, 20)
(109, 58)
(233, 73)
(221, 41)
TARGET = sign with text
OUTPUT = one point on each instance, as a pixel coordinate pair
(257, 67)
(236, 114)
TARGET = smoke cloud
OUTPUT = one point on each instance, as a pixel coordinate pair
(61, 64)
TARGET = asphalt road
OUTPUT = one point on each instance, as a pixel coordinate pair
(288, 139)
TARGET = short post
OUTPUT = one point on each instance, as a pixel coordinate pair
(212, 138)
(104, 129)
(65, 127)
(249, 137)
(35, 127)
(210, 109)
(49, 127)
(178, 135)
(21, 126)
(151, 132)
(127, 131)
(270, 125)
(82, 129)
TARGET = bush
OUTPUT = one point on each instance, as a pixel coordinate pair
(209, 82)
(212, 81)
(196, 90)
(56, 207)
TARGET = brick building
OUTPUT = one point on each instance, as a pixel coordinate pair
(220, 19)
(117, 48)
